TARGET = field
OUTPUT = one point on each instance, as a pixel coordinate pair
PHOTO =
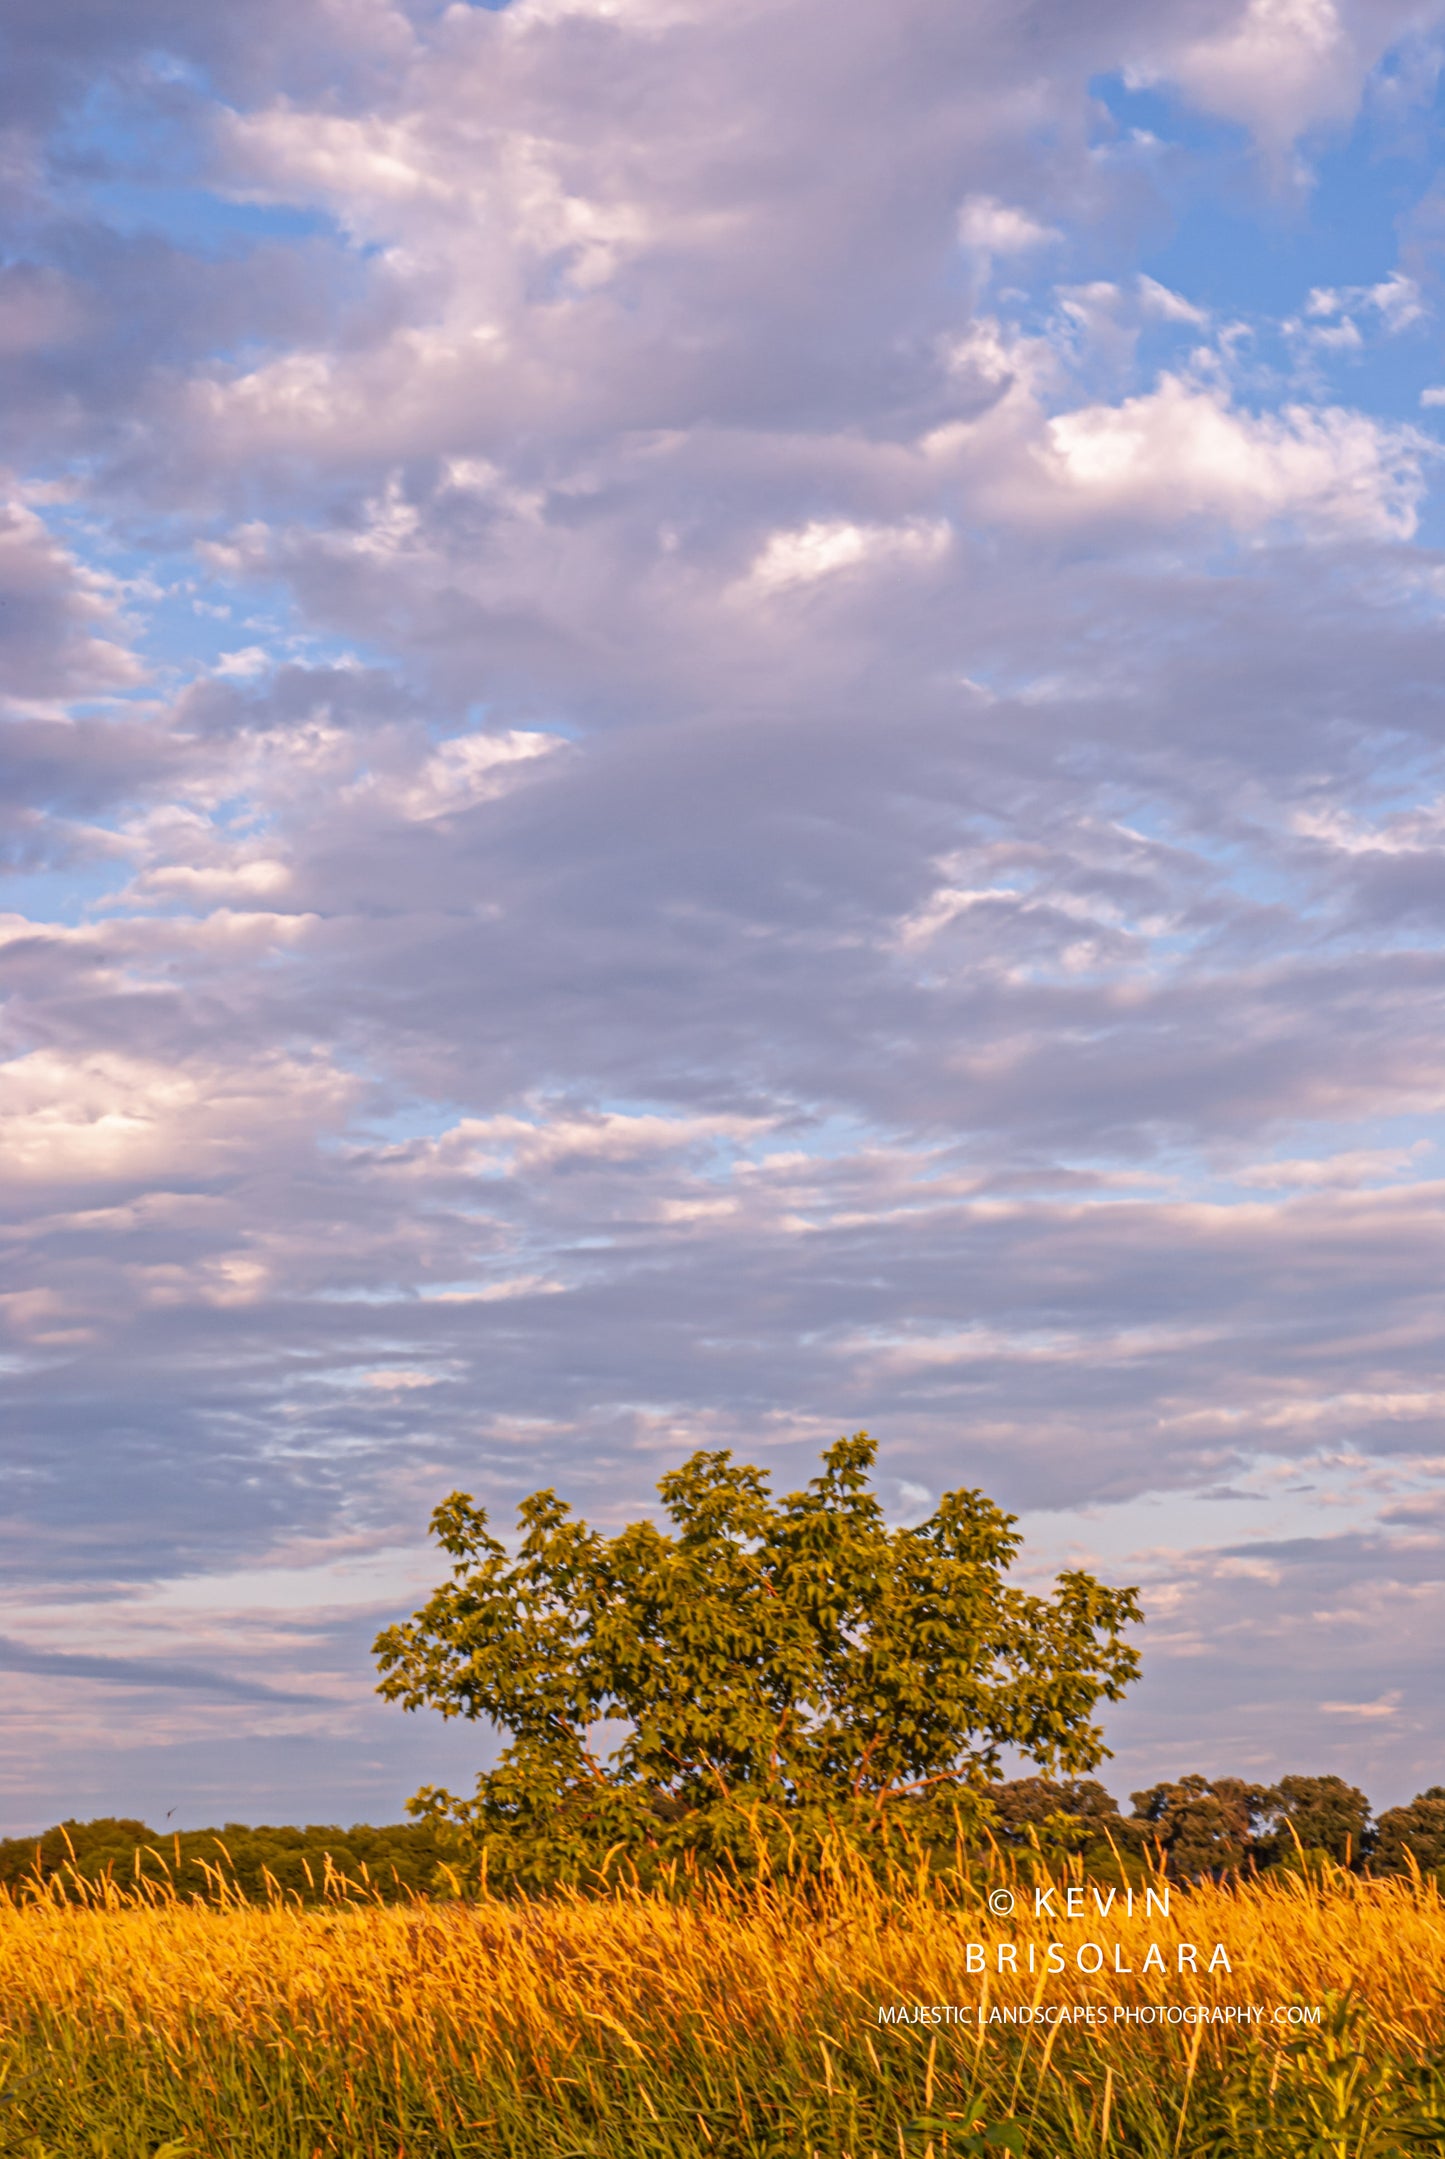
(729, 2025)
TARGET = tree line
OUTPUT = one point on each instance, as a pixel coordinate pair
(1200, 1826)
(1192, 1828)
(308, 1864)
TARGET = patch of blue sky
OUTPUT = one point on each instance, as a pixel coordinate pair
(144, 124)
(66, 895)
(1248, 252)
(1237, 242)
(1154, 1524)
(1248, 867)
(395, 1126)
(262, 633)
(135, 165)
(187, 623)
(149, 126)
(1138, 117)
(378, 1294)
(199, 220)
(796, 1130)
(428, 10)
(1409, 1148)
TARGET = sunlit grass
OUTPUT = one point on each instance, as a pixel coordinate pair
(742, 2023)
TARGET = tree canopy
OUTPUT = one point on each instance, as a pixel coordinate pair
(779, 1667)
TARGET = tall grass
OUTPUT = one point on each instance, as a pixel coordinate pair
(725, 2023)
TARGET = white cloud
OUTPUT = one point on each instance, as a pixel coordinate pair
(825, 547)
(1387, 1706)
(1363, 1165)
(1278, 65)
(997, 228)
(62, 631)
(1183, 450)
(1168, 306)
(241, 666)
(105, 1117)
(470, 769)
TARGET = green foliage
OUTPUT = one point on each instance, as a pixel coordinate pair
(1197, 1826)
(1052, 1820)
(780, 1669)
(1412, 1834)
(1321, 1815)
(309, 1864)
(1201, 1827)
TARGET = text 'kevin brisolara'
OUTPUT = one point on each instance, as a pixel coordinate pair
(1095, 2013)
(1088, 1958)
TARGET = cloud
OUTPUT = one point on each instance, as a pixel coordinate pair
(1181, 451)
(1282, 66)
(60, 629)
(996, 228)
(822, 549)
(1169, 306)
(108, 1120)
(1388, 1706)
(141, 1672)
(1365, 1165)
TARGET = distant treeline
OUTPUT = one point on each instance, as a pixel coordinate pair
(313, 1863)
(1202, 1826)
(1196, 1827)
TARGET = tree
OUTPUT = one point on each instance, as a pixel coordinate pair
(1202, 1827)
(1054, 1819)
(777, 1667)
(1321, 1815)
(1415, 1832)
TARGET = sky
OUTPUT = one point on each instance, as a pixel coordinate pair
(718, 722)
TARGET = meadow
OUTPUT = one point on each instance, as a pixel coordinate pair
(133, 2022)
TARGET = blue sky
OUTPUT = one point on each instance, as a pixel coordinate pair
(716, 723)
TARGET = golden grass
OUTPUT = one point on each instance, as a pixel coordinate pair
(743, 2023)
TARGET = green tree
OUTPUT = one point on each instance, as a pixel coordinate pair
(1320, 1815)
(1041, 1814)
(1415, 1832)
(1199, 1826)
(774, 1667)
